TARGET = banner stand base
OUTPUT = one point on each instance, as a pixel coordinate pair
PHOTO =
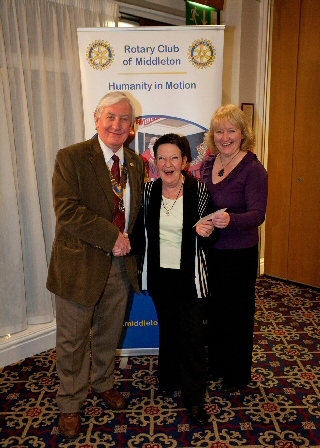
(125, 353)
(137, 351)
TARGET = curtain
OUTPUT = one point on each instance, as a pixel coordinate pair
(40, 112)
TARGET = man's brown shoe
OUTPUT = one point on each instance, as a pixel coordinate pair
(69, 424)
(113, 399)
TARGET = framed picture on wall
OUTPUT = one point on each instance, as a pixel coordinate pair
(248, 109)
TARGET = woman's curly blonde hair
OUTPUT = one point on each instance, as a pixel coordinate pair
(237, 118)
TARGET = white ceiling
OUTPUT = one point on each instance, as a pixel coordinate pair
(166, 11)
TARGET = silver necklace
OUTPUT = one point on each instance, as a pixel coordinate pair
(221, 172)
(167, 206)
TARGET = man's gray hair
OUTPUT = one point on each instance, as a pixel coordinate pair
(114, 98)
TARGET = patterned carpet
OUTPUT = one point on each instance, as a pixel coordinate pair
(280, 409)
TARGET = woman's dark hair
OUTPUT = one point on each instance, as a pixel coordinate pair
(174, 139)
(188, 149)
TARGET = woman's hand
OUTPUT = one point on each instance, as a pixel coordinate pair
(222, 220)
(205, 228)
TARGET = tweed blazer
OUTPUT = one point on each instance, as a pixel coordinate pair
(85, 236)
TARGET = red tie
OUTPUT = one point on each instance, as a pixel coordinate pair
(119, 217)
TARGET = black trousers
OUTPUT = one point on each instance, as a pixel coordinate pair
(182, 357)
(231, 309)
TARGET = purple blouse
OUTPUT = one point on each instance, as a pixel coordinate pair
(244, 193)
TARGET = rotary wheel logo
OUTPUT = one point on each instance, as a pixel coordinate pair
(202, 53)
(100, 55)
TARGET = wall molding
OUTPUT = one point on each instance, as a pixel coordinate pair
(35, 339)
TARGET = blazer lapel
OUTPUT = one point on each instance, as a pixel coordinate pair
(97, 160)
(133, 179)
(99, 165)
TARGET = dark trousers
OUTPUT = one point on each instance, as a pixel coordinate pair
(182, 358)
(231, 314)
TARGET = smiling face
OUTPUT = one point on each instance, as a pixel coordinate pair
(227, 138)
(170, 162)
(114, 124)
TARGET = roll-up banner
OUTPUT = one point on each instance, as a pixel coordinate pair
(173, 75)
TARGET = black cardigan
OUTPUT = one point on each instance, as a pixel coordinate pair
(196, 204)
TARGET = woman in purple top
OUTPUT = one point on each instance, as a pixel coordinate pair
(237, 182)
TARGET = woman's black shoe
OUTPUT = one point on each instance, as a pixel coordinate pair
(214, 377)
(165, 391)
(198, 415)
(229, 388)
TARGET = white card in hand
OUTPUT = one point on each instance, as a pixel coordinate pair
(211, 216)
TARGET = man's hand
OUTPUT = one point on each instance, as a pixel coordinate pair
(122, 246)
